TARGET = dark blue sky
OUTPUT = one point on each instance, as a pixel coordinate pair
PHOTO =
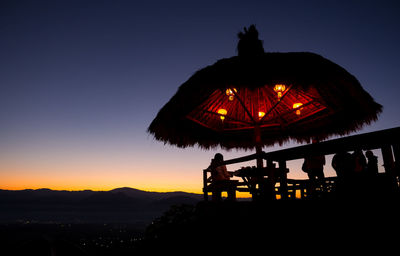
(81, 80)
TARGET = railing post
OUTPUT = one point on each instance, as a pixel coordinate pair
(302, 195)
(283, 179)
(205, 191)
(396, 153)
(388, 162)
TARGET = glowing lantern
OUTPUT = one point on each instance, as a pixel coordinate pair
(231, 93)
(279, 89)
(297, 106)
(261, 114)
(222, 113)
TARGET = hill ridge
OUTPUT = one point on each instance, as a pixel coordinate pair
(122, 205)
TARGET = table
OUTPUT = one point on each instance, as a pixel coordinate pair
(260, 181)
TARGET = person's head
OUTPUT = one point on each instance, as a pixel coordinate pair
(369, 153)
(358, 152)
(219, 157)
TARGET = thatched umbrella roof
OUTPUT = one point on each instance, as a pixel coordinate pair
(333, 101)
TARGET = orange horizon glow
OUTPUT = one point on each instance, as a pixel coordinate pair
(98, 177)
(238, 194)
(106, 188)
(163, 175)
(95, 189)
(32, 184)
(16, 183)
(105, 180)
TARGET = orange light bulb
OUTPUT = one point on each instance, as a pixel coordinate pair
(230, 92)
(222, 113)
(261, 115)
(279, 89)
(298, 108)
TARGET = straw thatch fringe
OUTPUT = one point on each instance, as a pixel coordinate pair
(353, 106)
(349, 106)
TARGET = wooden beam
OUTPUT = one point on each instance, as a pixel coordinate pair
(240, 159)
(372, 140)
(396, 153)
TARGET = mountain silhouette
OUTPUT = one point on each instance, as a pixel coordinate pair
(120, 205)
(136, 193)
(106, 197)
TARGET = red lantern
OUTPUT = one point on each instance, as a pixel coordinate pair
(231, 93)
(279, 89)
(222, 113)
(298, 107)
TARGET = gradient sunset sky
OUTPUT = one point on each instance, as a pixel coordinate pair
(82, 80)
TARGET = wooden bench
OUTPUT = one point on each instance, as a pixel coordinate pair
(209, 186)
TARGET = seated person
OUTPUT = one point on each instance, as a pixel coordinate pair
(219, 171)
(221, 178)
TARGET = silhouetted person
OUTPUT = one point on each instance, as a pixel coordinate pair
(359, 185)
(372, 164)
(221, 178)
(370, 178)
(314, 167)
(342, 163)
(266, 191)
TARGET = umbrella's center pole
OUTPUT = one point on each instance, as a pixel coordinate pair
(257, 133)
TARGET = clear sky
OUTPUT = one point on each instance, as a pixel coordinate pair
(81, 80)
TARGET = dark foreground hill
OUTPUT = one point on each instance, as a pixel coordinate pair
(276, 227)
(226, 228)
(121, 205)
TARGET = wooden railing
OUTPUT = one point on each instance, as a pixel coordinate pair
(296, 189)
(388, 141)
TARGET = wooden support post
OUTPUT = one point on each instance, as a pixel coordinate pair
(270, 163)
(396, 152)
(283, 179)
(260, 163)
(302, 196)
(257, 134)
(205, 191)
(388, 162)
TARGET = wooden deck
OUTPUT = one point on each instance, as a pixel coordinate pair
(388, 141)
